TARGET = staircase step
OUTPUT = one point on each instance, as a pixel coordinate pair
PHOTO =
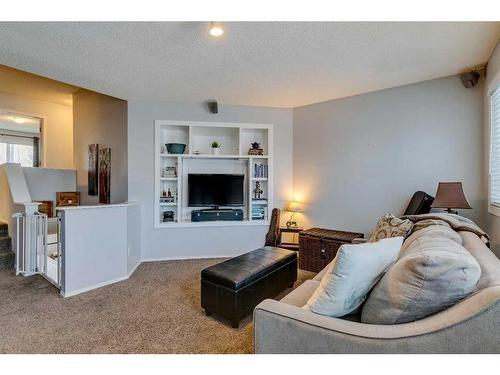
(6, 260)
(5, 244)
(4, 229)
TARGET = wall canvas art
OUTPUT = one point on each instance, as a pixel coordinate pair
(93, 168)
(105, 175)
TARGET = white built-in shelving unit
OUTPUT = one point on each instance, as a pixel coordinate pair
(235, 140)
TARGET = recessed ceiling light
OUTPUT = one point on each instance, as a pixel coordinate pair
(216, 29)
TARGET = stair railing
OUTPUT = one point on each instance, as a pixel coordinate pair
(30, 239)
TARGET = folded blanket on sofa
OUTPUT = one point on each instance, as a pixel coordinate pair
(456, 222)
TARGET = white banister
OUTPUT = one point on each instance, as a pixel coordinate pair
(30, 241)
(17, 183)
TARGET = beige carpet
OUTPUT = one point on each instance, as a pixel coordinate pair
(156, 311)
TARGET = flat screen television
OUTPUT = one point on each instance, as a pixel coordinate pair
(215, 190)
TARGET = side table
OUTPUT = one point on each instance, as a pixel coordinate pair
(289, 245)
(318, 246)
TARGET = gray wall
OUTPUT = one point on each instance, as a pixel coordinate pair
(359, 157)
(492, 81)
(200, 242)
(100, 119)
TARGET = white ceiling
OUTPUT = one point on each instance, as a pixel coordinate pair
(275, 64)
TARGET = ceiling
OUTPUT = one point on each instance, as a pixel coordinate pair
(21, 83)
(276, 64)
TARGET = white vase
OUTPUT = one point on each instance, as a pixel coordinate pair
(215, 150)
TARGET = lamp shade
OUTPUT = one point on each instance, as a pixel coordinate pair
(294, 207)
(450, 195)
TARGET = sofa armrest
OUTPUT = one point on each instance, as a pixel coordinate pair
(359, 240)
(282, 328)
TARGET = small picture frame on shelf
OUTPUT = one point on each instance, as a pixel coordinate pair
(169, 171)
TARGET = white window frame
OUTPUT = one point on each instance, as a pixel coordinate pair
(492, 209)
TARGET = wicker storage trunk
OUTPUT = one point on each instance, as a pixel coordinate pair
(318, 247)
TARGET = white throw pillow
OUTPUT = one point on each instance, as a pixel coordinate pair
(351, 275)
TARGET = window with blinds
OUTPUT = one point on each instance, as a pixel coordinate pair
(495, 148)
(19, 149)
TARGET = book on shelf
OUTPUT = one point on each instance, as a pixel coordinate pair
(259, 213)
(167, 200)
(260, 170)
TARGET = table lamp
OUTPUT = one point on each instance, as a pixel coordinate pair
(293, 207)
(450, 195)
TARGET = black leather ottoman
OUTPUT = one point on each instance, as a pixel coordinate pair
(233, 288)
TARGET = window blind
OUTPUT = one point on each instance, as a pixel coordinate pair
(19, 149)
(16, 140)
(495, 148)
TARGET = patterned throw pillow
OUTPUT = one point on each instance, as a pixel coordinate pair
(391, 226)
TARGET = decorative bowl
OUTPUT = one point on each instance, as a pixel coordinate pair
(175, 148)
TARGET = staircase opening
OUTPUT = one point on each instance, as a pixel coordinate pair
(6, 253)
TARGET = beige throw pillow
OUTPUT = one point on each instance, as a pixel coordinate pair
(391, 226)
(433, 272)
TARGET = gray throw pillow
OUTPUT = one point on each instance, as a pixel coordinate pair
(432, 273)
(391, 226)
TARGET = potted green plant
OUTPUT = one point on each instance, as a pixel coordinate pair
(215, 148)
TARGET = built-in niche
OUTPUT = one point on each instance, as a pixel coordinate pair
(245, 149)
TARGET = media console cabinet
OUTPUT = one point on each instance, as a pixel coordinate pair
(171, 170)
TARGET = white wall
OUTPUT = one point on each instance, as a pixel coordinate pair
(44, 183)
(200, 242)
(492, 81)
(133, 237)
(101, 119)
(57, 132)
(359, 157)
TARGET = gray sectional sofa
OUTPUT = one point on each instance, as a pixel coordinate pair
(470, 326)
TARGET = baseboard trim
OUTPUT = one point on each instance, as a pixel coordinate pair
(126, 277)
(134, 268)
(92, 287)
(163, 259)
